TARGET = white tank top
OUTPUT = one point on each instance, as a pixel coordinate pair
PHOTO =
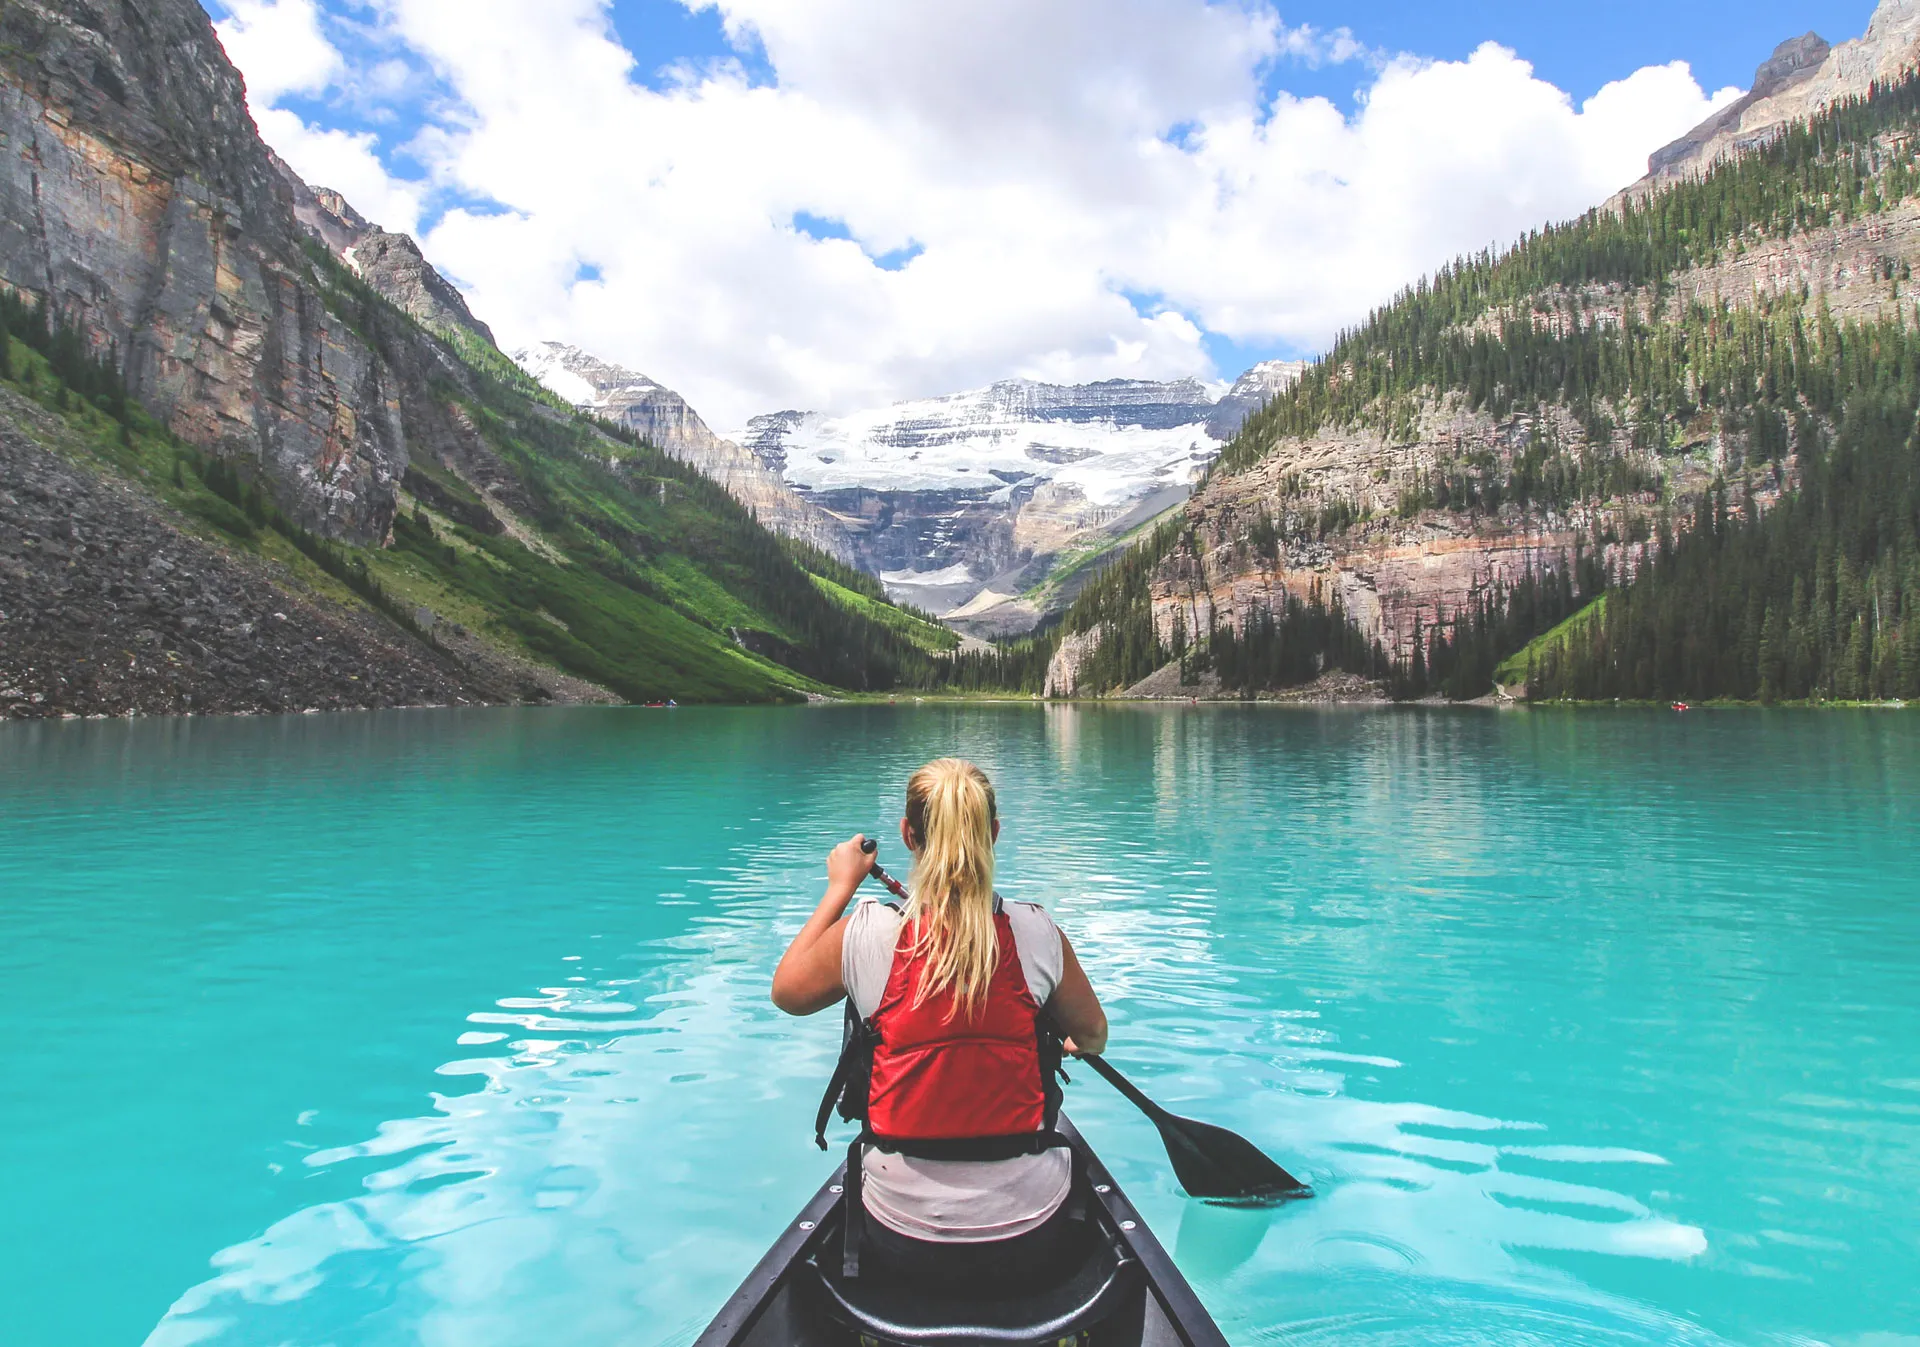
(956, 1201)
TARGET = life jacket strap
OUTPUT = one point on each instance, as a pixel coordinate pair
(848, 1086)
(968, 1148)
(853, 1221)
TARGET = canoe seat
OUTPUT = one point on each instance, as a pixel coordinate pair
(1103, 1286)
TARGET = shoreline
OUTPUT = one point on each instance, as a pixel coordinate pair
(1267, 701)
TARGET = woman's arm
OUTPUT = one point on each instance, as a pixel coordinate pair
(809, 978)
(1075, 1008)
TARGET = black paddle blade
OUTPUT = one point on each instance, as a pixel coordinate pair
(1213, 1163)
(1209, 1161)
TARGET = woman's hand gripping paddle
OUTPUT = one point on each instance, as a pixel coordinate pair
(899, 890)
(1209, 1161)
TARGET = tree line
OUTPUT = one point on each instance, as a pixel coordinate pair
(1816, 598)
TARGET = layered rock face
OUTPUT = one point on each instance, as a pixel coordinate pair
(663, 418)
(137, 200)
(1802, 76)
(1391, 574)
(391, 263)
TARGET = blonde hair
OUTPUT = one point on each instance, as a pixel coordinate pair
(951, 814)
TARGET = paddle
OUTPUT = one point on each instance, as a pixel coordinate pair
(1209, 1161)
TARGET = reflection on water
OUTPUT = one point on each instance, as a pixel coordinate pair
(1587, 1030)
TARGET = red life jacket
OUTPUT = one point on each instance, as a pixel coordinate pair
(985, 1088)
(924, 1085)
(939, 1074)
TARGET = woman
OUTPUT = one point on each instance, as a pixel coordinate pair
(953, 997)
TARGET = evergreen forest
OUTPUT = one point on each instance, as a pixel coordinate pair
(1794, 576)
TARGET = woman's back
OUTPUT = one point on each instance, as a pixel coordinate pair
(956, 1200)
(958, 1000)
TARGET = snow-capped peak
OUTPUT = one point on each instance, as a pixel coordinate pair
(1110, 441)
(582, 380)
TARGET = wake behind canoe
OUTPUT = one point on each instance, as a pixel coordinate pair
(1123, 1291)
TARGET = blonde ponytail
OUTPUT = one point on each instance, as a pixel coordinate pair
(951, 814)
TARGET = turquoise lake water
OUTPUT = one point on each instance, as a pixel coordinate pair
(452, 1027)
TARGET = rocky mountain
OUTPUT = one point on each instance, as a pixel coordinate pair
(255, 454)
(391, 263)
(1250, 392)
(1627, 406)
(662, 417)
(1803, 75)
(988, 506)
(137, 199)
(112, 603)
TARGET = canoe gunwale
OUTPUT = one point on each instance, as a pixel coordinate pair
(745, 1306)
(1175, 1297)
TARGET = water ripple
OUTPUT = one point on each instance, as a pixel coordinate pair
(1585, 1033)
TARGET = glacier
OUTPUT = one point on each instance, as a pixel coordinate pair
(963, 504)
(1111, 441)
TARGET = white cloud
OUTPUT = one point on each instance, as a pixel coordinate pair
(1044, 159)
(278, 46)
(347, 162)
(1312, 217)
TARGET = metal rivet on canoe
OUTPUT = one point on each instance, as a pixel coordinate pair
(1103, 1187)
(806, 1225)
(1126, 1225)
(835, 1188)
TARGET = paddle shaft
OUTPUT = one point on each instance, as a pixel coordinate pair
(1126, 1087)
(1227, 1165)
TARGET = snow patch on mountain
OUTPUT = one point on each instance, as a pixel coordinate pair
(1111, 441)
(570, 387)
(588, 383)
(947, 575)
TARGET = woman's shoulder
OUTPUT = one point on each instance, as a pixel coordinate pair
(1019, 911)
(1032, 924)
(871, 914)
(1042, 952)
(866, 951)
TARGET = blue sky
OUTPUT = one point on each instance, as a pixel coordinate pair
(866, 200)
(1577, 47)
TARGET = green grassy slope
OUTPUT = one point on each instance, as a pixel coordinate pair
(612, 561)
(1513, 669)
(925, 634)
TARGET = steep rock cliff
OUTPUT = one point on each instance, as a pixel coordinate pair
(1335, 505)
(137, 200)
(1803, 75)
(391, 263)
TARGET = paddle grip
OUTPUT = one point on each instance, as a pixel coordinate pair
(870, 846)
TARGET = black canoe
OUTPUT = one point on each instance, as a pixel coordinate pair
(1125, 1291)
